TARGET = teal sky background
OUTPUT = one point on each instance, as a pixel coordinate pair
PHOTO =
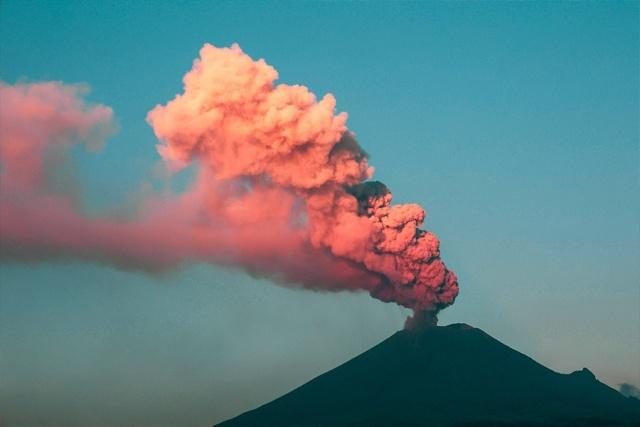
(514, 124)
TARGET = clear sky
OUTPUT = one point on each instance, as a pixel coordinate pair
(514, 124)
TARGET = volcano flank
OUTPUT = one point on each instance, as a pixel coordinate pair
(455, 375)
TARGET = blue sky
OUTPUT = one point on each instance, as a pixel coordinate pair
(514, 124)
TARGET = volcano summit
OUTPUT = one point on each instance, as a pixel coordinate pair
(455, 375)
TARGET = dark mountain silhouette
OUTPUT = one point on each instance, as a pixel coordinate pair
(446, 376)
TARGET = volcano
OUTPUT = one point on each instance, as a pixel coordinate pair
(455, 375)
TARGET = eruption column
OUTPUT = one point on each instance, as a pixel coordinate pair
(282, 188)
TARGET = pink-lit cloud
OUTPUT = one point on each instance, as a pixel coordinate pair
(282, 188)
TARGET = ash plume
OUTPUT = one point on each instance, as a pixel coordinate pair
(282, 188)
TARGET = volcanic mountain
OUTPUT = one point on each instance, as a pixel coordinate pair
(455, 375)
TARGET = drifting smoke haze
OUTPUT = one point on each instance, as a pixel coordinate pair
(281, 188)
(629, 390)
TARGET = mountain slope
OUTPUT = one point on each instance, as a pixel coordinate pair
(445, 376)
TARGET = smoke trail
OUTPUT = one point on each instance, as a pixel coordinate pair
(281, 189)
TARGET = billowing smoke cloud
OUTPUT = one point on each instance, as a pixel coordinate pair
(282, 188)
